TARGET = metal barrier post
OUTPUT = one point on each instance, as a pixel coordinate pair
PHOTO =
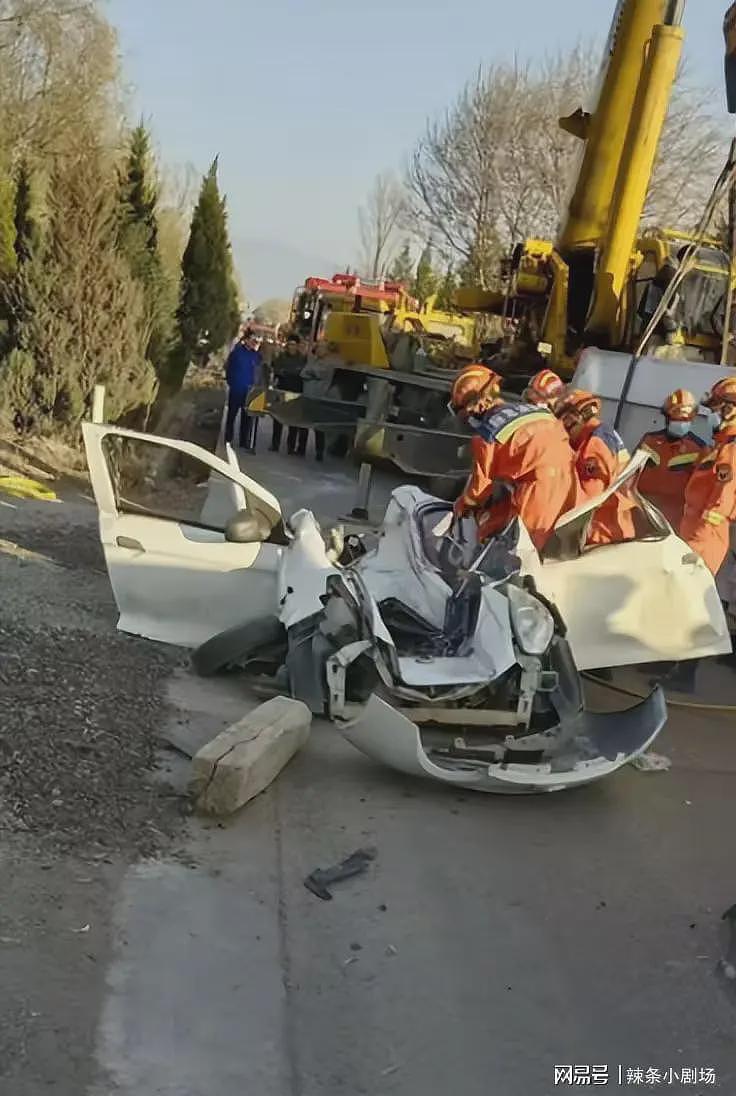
(380, 395)
(365, 482)
(98, 404)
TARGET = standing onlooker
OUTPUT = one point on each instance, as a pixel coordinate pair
(241, 370)
(318, 375)
(287, 369)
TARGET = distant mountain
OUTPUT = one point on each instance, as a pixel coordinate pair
(272, 269)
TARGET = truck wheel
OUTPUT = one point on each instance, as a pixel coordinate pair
(239, 644)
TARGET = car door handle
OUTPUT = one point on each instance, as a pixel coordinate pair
(691, 557)
(129, 542)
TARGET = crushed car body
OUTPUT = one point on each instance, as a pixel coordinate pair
(434, 655)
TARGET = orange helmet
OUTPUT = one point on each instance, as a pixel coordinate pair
(577, 402)
(471, 383)
(680, 406)
(722, 392)
(545, 387)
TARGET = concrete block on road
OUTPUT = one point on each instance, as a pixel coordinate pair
(243, 760)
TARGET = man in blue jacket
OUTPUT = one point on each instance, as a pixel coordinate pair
(241, 372)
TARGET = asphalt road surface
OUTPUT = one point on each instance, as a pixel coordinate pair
(491, 940)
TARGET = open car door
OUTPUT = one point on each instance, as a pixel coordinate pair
(164, 507)
(646, 600)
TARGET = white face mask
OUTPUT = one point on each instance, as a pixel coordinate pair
(715, 420)
(677, 429)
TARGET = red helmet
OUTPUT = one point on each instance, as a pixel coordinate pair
(471, 383)
(546, 387)
(577, 402)
(722, 392)
(680, 406)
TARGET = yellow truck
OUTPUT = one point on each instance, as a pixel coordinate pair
(398, 359)
(398, 312)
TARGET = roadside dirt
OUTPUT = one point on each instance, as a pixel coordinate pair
(43, 459)
(80, 705)
(74, 756)
(83, 790)
(81, 709)
(194, 414)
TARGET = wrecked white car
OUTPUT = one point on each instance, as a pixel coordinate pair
(431, 655)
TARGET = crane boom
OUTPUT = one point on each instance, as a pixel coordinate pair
(613, 273)
(606, 129)
(622, 137)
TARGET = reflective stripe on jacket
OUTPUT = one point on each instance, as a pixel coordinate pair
(527, 450)
(666, 476)
(710, 500)
(600, 457)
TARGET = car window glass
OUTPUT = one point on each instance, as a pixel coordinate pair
(159, 481)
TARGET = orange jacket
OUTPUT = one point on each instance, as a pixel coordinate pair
(526, 449)
(666, 476)
(600, 457)
(710, 500)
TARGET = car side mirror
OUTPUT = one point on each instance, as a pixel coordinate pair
(247, 528)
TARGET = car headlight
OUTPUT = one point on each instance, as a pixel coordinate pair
(532, 622)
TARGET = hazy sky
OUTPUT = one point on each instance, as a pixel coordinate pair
(306, 100)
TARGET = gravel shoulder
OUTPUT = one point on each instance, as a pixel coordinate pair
(80, 711)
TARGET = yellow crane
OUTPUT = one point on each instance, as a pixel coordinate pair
(593, 284)
(602, 280)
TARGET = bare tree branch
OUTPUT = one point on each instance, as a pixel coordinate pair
(379, 220)
(497, 168)
(59, 69)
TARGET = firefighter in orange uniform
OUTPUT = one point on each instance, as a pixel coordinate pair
(710, 497)
(673, 454)
(544, 389)
(515, 446)
(600, 456)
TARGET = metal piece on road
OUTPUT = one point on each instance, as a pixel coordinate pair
(321, 878)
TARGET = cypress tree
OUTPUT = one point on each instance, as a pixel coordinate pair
(8, 262)
(138, 241)
(26, 227)
(425, 279)
(8, 259)
(209, 313)
(138, 202)
(469, 273)
(447, 287)
(78, 313)
(402, 269)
